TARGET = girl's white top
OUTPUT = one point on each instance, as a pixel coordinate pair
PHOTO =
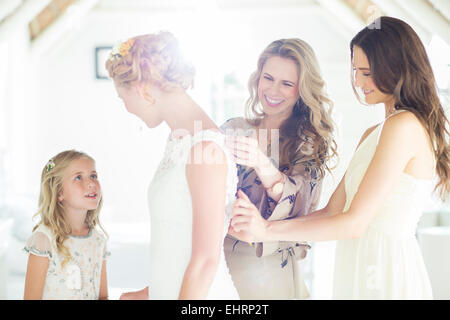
(80, 278)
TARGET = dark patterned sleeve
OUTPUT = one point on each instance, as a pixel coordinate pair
(301, 194)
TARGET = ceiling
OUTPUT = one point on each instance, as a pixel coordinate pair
(428, 16)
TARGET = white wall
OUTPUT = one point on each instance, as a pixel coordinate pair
(68, 108)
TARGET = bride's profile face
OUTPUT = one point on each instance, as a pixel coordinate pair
(136, 103)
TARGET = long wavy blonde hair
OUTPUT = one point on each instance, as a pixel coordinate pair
(51, 211)
(311, 119)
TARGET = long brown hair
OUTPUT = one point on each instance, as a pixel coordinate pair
(400, 67)
(310, 121)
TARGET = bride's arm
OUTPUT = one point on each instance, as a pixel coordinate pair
(207, 185)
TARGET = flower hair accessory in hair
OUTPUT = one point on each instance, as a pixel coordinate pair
(121, 49)
(50, 165)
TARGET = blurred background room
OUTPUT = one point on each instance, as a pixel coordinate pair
(55, 95)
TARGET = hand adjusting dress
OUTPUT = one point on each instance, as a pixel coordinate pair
(170, 206)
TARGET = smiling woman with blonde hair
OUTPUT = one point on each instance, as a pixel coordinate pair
(281, 167)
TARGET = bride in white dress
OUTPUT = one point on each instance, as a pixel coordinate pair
(375, 209)
(193, 190)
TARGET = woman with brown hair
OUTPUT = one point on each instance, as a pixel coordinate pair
(281, 167)
(375, 209)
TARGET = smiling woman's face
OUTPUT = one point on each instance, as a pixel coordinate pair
(363, 78)
(278, 86)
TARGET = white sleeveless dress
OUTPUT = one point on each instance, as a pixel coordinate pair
(170, 208)
(386, 261)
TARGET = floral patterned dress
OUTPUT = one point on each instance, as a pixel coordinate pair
(80, 278)
(270, 270)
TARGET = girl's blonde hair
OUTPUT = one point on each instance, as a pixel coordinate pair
(151, 59)
(51, 211)
(310, 120)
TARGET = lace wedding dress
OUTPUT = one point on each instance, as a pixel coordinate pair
(170, 208)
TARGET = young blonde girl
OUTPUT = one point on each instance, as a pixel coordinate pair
(66, 252)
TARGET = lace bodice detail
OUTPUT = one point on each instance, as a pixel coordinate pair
(177, 152)
(170, 207)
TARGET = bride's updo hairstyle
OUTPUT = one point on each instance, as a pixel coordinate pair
(151, 59)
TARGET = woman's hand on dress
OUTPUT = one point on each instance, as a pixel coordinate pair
(135, 295)
(246, 151)
(247, 224)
